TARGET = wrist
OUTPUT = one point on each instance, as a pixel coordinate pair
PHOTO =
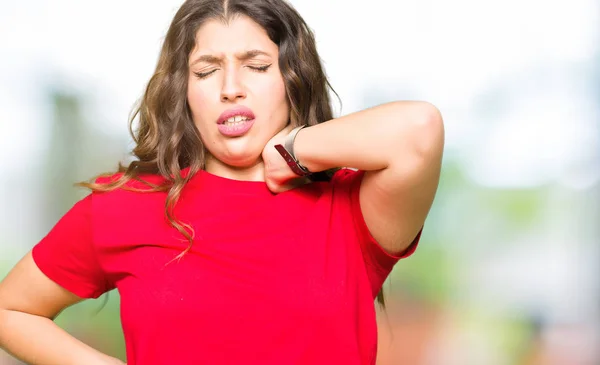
(304, 151)
(287, 152)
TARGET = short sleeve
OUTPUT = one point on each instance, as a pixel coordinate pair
(378, 260)
(66, 254)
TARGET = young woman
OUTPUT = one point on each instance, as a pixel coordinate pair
(227, 242)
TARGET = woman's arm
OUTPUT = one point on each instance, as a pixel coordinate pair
(400, 146)
(29, 301)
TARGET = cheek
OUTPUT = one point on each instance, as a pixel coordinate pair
(279, 92)
(276, 96)
(199, 102)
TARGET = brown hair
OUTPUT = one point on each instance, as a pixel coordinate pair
(167, 140)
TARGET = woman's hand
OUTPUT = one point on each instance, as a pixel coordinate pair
(278, 175)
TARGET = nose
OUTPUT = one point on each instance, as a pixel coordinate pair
(232, 88)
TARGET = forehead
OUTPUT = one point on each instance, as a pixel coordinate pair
(240, 34)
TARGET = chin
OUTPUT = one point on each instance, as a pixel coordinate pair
(242, 163)
(242, 159)
(240, 153)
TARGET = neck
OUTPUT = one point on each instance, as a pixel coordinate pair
(254, 172)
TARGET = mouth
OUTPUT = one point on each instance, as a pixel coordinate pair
(236, 115)
(235, 122)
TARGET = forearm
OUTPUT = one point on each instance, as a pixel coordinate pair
(39, 341)
(370, 139)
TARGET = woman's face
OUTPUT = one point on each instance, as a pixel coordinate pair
(236, 91)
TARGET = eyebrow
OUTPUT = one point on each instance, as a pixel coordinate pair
(242, 56)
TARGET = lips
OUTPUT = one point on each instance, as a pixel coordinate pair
(237, 111)
(239, 128)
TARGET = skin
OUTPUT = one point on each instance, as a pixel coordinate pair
(399, 145)
(29, 301)
(231, 81)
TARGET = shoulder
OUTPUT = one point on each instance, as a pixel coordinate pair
(135, 194)
(143, 182)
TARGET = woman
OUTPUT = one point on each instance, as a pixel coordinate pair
(223, 244)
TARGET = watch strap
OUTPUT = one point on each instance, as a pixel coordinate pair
(287, 152)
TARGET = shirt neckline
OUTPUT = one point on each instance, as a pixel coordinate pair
(211, 182)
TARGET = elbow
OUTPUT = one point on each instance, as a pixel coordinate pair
(429, 130)
(419, 143)
(422, 128)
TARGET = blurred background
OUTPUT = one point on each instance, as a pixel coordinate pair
(508, 268)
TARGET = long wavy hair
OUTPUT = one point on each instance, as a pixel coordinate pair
(166, 138)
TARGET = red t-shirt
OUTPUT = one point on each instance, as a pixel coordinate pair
(270, 279)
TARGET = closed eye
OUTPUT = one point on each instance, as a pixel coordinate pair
(202, 75)
(260, 68)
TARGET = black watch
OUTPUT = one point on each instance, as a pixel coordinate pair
(287, 152)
